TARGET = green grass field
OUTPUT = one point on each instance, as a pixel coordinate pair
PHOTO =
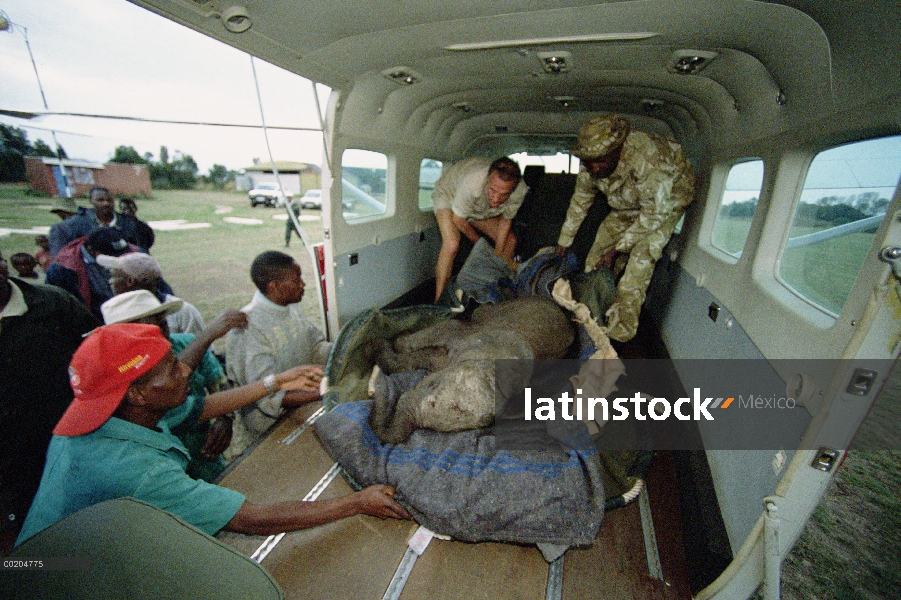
(208, 267)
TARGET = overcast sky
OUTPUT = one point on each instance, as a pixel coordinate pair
(111, 57)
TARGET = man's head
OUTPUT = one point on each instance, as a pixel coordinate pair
(132, 271)
(103, 204)
(42, 242)
(277, 277)
(139, 306)
(503, 177)
(106, 240)
(64, 207)
(126, 361)
(24, 263)
(600, 144)
(127, 206)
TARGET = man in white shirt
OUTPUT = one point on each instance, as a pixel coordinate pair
(476, 196)
(277, 334)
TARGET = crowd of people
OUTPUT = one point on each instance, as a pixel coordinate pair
(109, 386)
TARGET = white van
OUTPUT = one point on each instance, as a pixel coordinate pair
(783, 108)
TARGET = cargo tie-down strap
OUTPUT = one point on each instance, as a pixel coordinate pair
(420, 540)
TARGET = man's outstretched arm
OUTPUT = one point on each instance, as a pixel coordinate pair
(268, 519)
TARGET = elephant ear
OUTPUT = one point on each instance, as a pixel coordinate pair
(513, 370)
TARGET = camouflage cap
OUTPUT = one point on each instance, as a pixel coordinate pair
(601, 135)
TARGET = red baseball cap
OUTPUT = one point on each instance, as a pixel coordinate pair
(102, 369)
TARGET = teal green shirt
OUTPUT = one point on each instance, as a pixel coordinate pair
(122, 459)
(183, 420)
(207, 373)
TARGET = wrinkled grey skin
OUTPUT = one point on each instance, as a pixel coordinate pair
(459, 393)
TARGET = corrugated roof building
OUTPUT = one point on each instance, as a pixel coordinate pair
(45, 175)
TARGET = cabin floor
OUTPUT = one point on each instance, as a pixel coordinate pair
(357, 557)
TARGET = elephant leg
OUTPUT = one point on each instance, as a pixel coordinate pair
(392, 421)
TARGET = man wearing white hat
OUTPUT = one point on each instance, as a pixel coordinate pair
(140, 271)
(648, 183)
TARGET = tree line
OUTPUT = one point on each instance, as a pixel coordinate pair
(831, 210)
(14, 147)
(179, 172)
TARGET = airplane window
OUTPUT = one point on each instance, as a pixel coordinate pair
(364, 180)
(737, 206)
(429, 172)
(845, 197)
(556, 163)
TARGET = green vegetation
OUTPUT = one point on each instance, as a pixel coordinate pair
(14, 147)
(849, 549)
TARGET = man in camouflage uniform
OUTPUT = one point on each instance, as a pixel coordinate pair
(648, 184)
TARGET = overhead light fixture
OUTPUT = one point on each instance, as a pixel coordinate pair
(555, 62)
(651, 104)
(402, 75)
(564, 101)
(690, 62)
(236, 19)
(462, 106)
(571, 39)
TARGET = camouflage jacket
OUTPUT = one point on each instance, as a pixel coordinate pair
(647, 193)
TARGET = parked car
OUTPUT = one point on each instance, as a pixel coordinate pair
(312, 199)
(267, 194)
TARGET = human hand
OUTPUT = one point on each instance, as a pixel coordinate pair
(305, 378)
(219, 437)
(225, 322)
(606, 260)
(377, 500)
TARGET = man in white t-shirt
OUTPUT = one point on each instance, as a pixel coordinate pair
(473, 196)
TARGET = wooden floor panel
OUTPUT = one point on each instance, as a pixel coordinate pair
(357, 557)
(460, 571)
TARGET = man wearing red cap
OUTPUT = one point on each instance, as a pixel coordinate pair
(110, 443)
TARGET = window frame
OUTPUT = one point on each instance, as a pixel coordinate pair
(390, 188)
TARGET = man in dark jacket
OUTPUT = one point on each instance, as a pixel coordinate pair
(76, 270)
(146, 236)
(101, 216)
(40, 328)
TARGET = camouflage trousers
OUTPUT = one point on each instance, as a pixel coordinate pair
(644, 249)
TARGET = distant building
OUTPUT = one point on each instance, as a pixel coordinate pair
(296, 177)
(44, 175)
